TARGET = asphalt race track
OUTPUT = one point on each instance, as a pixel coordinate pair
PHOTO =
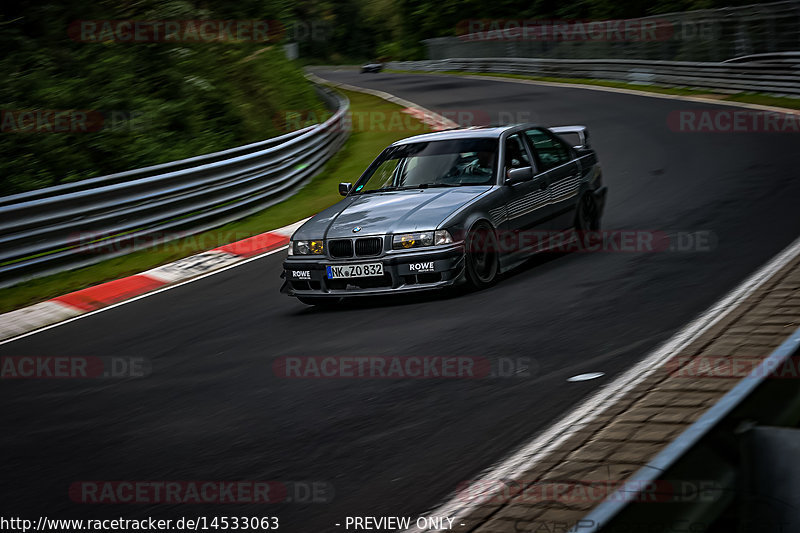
(212, 409)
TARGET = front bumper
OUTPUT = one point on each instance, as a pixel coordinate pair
(403, 271)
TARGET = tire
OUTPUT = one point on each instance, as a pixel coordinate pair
(481, 258)
(587, 217)
(319, 302)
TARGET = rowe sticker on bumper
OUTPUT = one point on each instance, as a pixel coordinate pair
(422, 267)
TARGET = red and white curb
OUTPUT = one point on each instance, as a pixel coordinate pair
(31, 318)
(74, 304)
(436, 121)
(432, 120)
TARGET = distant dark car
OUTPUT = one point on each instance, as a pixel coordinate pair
(371, 67)
(440, 208)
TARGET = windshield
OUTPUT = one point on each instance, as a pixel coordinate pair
(450, 163)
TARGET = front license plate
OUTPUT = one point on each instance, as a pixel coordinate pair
(354, 271)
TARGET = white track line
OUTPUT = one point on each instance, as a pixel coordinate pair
(389, 97)
(530, 454)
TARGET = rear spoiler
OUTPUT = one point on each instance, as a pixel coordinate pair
(581, 131)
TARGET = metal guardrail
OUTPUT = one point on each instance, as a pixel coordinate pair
(73, 225)
(710, 450)
(763, 77)
(789, 59)
(714, 34)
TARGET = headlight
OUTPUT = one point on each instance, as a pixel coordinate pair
(442, 236)
(306, 248)
(404, 241)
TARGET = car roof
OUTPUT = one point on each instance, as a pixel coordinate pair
(475, 132)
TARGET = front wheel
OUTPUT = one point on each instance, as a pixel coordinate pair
(588, 216)
(319, 302)
(481, 256)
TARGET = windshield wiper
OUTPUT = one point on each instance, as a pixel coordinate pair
(412, 187)
(385, 189)
(431, 185)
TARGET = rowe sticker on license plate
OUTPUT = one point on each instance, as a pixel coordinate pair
(354, 271)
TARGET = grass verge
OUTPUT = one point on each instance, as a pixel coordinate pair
(750, 98)
(376, 124)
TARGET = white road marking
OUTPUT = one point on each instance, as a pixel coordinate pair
(151, 293)
(632, 92)
(445, 122)
(34, 318)
(191, 266)
(532, 453)
(43, 313)
(586, 377)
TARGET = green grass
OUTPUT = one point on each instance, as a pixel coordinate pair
(751, 98)
(376, 124)
(765, 99)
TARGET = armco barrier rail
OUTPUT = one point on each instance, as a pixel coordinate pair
(711, 450)
(714, 34)
(77, 224)
(757, 76)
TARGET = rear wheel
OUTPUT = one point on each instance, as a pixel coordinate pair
(481, 256)
(319, 302)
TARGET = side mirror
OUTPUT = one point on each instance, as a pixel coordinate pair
(344, 188)
(518, 175)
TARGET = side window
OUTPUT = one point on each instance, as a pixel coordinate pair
(516, 154)
(550, 150)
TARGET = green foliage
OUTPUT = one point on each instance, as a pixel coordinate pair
(178, 100)
(393, 29)
(189, 99)
(361, 148)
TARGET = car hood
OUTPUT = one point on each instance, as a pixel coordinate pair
(389, 212)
